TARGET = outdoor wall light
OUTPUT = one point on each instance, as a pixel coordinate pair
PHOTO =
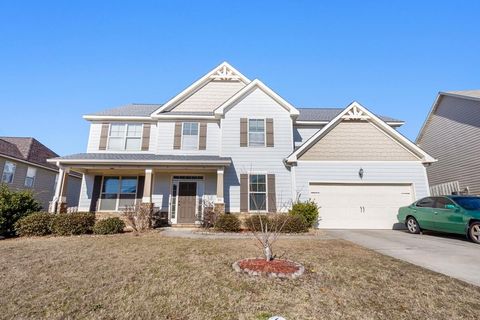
(360, 173)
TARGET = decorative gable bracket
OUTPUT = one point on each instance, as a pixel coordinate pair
(355, 113)
(225, 73)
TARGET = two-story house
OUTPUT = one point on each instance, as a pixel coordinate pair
(24, 166)
(235, 142)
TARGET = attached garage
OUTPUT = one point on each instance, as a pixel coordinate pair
(359, 171)
(360, 205)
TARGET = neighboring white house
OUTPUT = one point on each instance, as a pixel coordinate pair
(236, 142)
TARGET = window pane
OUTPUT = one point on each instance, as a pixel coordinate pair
(108, 201)
(190, 128)
(115, 143)
(258, 201)
(117, 130)
(427, 203)
(126, 200)
(133, 144)
(8, 172)
(128, 185)
(134, 130)
(110, 185)
(190, 142)
(442, 202)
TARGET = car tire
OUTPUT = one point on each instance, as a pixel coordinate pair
(412, 225)
(474, 232)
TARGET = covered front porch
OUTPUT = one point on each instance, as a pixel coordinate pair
(176, 190)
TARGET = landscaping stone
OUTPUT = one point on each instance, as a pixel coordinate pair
(278, 268)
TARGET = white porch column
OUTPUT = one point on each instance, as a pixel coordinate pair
(147, 188)
(60, 197)
(220, 173)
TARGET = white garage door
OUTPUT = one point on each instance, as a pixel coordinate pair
(360, 206)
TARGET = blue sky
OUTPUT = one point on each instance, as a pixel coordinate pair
(62, 59)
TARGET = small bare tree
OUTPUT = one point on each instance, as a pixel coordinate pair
(209, 215)
(268, 230)
(138, 217)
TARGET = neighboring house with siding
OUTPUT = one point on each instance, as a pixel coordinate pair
(451, 133)
(24, 166)
(234, 142)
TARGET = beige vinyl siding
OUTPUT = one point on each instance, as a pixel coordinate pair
(210, 96)
(452, 135)
(357, 140)
(44, 184)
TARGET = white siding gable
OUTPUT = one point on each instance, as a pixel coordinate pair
(256, 159)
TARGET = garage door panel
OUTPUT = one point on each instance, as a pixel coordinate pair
(360, 206)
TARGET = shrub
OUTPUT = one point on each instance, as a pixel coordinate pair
(253, 222)
(66, 224)
(279, 222)
(109, 226)
(308, 210)
(209, 217)
(13, 206)
(289, 223)
(139, 218)
(227, 223)
(35, 224)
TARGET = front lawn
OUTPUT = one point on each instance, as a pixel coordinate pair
(155, 277)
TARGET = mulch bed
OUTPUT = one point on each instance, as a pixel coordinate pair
(276, 268)
(262, 265)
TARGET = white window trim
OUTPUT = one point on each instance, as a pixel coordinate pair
(198, 136)
(124, 136)
(266, 191)
(34, 177)
(117, 200)
(264, 132)
(13, 173)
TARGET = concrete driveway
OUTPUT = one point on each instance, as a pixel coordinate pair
(451, 255)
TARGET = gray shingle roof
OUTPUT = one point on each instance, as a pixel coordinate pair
(467, 93)
(328, 114)
(27, 149)
(133, 109)
(144, 110)
(140, 157)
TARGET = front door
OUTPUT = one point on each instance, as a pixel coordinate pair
(187, 196)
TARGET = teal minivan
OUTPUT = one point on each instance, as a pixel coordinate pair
(452, 214)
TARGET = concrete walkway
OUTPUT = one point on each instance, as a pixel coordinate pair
(451, 255)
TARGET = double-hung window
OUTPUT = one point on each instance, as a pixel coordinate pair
(30, 177)
(8, 172)
(118, 193)
(256, 132)
(257, 192)
(190, 136)
(125, 136)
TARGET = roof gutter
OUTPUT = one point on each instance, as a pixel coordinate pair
(142, 162)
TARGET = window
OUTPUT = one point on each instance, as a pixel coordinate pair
(257, 192)
(256, 132)
(441, 202)
(190, 136)
(30, 178)
(426, 203)
(468, 203)
(118, 193)
(8, 172)
(125, 136)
